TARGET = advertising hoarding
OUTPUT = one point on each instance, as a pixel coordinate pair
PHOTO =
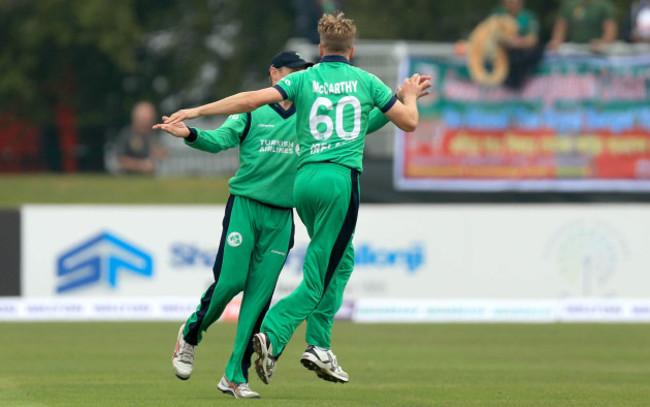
(454, 263)
(579, 123)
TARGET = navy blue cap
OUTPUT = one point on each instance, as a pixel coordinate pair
(290, 59)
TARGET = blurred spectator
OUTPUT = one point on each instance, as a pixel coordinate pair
(637, 24)
(585, 22)
(524, 50)
(308, 12)
(137, 147)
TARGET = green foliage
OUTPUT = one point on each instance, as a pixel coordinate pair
(444, 21)
(100, 56)
(59, 49)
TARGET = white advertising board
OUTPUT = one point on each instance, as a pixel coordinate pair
(420, 252)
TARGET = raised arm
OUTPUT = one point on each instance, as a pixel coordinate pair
(559, 34)
(243, 102)
(610, 29)
(377, 120)
(404, 114)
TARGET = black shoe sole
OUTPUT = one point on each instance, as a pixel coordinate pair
(320, 372)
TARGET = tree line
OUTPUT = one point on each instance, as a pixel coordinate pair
(99, 57)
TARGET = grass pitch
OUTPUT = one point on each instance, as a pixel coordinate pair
(106, 189)
(128, 364)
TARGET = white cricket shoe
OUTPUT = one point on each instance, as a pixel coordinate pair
(183, 358)
(265, 362)
(237, 390)
(323, 362)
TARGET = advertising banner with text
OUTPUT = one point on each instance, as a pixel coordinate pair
(579, 123)
(168, 251)
(412, 263)
(401, 251)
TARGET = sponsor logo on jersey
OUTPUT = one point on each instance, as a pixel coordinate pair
(277, 146)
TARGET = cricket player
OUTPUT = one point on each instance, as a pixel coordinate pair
(333, 101)
(257, 227)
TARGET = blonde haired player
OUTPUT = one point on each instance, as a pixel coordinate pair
(333, 101)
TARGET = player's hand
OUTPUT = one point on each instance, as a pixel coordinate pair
(424, 80)
(175, 129)
(415, 86)
(183, 114)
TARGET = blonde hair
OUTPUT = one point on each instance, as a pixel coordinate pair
(336, 32)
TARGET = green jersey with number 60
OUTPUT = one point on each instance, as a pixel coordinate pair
(333, 102)
(267, 145)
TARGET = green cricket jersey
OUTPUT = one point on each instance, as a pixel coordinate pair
(335, 101)
(267, 151)
(585, 18)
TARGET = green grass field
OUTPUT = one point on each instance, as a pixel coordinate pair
(105, 189)
(128, 364)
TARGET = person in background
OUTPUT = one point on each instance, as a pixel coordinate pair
(524, 51)
(637, 24)
(137, 147)
(585, 22)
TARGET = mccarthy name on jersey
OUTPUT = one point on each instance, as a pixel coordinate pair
(334, 88)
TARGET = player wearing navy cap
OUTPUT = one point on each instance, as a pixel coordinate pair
(333, 101)
(257, 227)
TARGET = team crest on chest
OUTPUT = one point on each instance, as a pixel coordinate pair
(234, 239)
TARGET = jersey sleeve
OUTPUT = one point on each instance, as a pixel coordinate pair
(229, 135)
(290, 84)
(381, 94)
(376, 120)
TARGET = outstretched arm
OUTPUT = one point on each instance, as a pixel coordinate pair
(405, 113)
(377, 120)
(229, 135)
(243, 102)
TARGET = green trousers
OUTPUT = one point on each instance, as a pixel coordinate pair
(255, 242)
(327, 201)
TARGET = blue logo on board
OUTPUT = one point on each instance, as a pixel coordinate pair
(100, 260)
